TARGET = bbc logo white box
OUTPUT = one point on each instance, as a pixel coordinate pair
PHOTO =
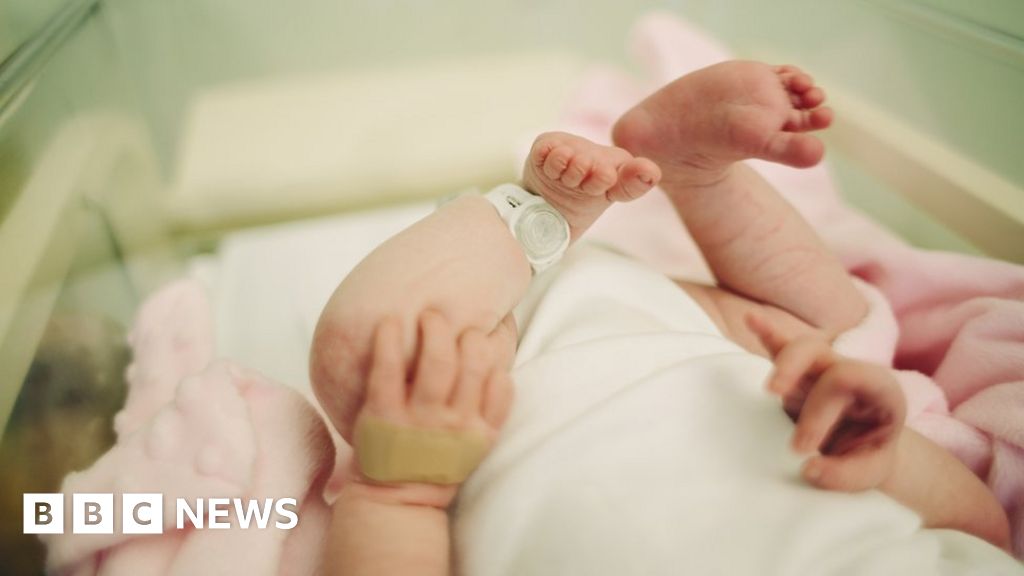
(42, 513)
(142, 514)
(92, 514)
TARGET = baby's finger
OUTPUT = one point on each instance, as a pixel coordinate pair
(437, 364)
(770, 338)
(385, 387)
(475, 362)
(849, 473)
(497, 400)
(801, 358)
(821, 413)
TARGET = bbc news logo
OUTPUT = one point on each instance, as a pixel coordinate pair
(144, 513)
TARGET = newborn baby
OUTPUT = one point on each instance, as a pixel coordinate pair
(420, 335)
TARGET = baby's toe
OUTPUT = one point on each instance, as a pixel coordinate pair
(821, 118)
(806, 120)
(578, 169)
(798, 81)
(812, 98)
(793, 149)
(556, 161)
(540, 150)
(635, 178)
(601, 178)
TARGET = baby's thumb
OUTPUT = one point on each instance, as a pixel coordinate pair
(854, 472)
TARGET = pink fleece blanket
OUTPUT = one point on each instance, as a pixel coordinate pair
(197, 428)
(957, 343)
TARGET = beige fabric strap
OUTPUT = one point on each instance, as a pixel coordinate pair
(390, 453)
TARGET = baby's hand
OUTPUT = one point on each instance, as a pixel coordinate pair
(850, 412)
(460, 385)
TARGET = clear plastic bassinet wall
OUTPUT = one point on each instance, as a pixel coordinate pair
(95, 97)
(78, 246)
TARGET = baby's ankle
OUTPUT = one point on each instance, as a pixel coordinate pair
(695, 177)
(579, 214)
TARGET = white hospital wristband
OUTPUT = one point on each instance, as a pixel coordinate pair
(540, 229)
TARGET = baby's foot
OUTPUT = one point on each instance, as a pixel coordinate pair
(698, 125)
(581, 179)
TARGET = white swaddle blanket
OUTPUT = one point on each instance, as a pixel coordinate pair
(643, 442)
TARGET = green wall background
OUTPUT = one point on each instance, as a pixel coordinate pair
(953, 70)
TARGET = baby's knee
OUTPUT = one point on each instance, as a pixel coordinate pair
(338, 362)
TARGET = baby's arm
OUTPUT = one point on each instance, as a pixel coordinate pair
(460, 385)
(931, 481)
(849, 419)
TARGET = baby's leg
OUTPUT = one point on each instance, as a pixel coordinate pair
(462, 262)
(697, 129)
